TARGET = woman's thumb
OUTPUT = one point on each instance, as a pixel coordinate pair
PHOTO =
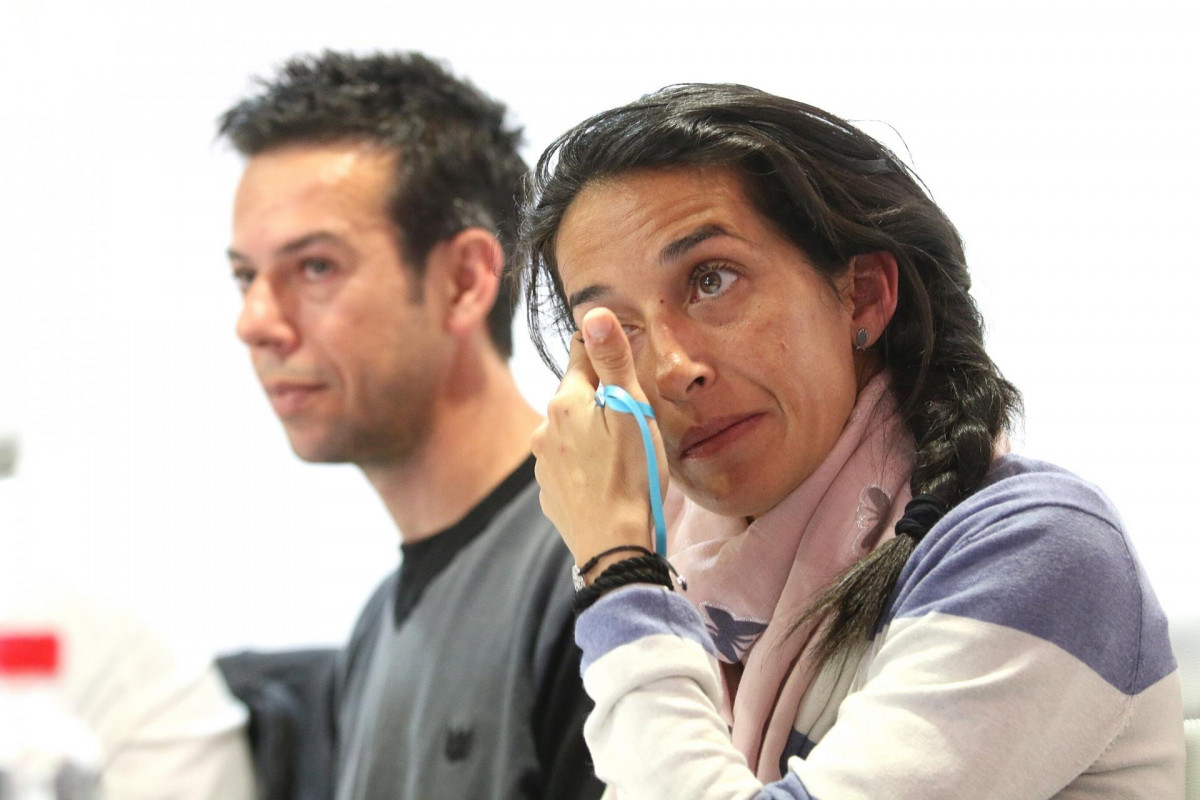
(608, 350)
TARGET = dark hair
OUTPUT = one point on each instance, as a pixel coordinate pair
(457, 162)
(834, 192)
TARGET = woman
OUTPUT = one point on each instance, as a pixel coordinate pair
(874, 599)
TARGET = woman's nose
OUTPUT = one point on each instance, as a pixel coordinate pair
(682, 365)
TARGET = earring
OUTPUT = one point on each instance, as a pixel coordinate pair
(860, 339)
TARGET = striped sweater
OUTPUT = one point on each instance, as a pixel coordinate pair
(1023, 655)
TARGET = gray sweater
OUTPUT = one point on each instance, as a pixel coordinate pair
(461, 679)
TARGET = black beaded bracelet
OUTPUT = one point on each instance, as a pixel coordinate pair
(641, 569)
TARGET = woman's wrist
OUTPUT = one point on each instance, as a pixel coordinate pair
(625, 571)
(583, 574)
(624, 535)
(606, 561)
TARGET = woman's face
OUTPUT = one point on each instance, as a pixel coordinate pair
(743, 349)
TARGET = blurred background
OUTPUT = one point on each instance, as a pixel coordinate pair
(1060, 137)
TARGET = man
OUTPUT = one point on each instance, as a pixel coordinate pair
(369, 233)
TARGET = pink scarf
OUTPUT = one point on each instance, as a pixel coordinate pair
(752, 582)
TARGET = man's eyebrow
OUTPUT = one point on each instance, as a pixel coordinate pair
(676, 249)
(319, 237)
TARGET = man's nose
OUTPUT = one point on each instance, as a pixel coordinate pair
(262, 322)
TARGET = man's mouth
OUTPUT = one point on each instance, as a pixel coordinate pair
(288, 397)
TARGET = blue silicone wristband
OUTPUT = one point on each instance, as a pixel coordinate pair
(618, 399)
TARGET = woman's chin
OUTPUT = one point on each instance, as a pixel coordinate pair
(732, 500)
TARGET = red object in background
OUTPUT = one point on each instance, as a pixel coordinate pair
(28, 654)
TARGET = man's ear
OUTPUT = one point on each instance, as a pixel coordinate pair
(874, 278)
(466, 268)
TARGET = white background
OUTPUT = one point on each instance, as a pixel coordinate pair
(1062, 139)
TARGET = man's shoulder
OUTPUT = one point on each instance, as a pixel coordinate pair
(521, 530)
(370, 620)
(516, 570)
(518, 561)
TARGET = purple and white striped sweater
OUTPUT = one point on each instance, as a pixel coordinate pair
(1024, 656)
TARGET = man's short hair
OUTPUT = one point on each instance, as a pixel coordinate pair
(457, 162)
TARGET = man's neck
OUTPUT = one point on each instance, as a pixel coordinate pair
(480, 433)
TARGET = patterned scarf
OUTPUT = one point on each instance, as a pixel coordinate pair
(752, 582)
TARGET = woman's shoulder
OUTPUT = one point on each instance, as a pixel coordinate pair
(1017, 482)
(1025, 505)
(1039, 550)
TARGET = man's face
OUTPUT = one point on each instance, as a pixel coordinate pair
(743, 349)
(346, 350)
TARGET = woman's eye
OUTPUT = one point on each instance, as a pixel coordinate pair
(629, 328)
(711, 282)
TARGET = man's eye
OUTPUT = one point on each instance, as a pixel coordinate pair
(242, 278)
(710, 281)
(316, 267)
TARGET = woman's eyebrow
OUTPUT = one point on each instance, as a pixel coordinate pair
(588, 294)
(668, 255)
(676, 249)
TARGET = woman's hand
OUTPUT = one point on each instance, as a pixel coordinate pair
(590, 461)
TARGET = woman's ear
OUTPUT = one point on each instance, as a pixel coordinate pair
(874, 279)
(469, 267)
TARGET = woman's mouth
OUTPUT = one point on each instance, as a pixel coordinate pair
(716, 435)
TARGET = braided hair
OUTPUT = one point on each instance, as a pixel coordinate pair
(835, 193)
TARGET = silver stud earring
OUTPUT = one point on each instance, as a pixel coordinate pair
(860, 339)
